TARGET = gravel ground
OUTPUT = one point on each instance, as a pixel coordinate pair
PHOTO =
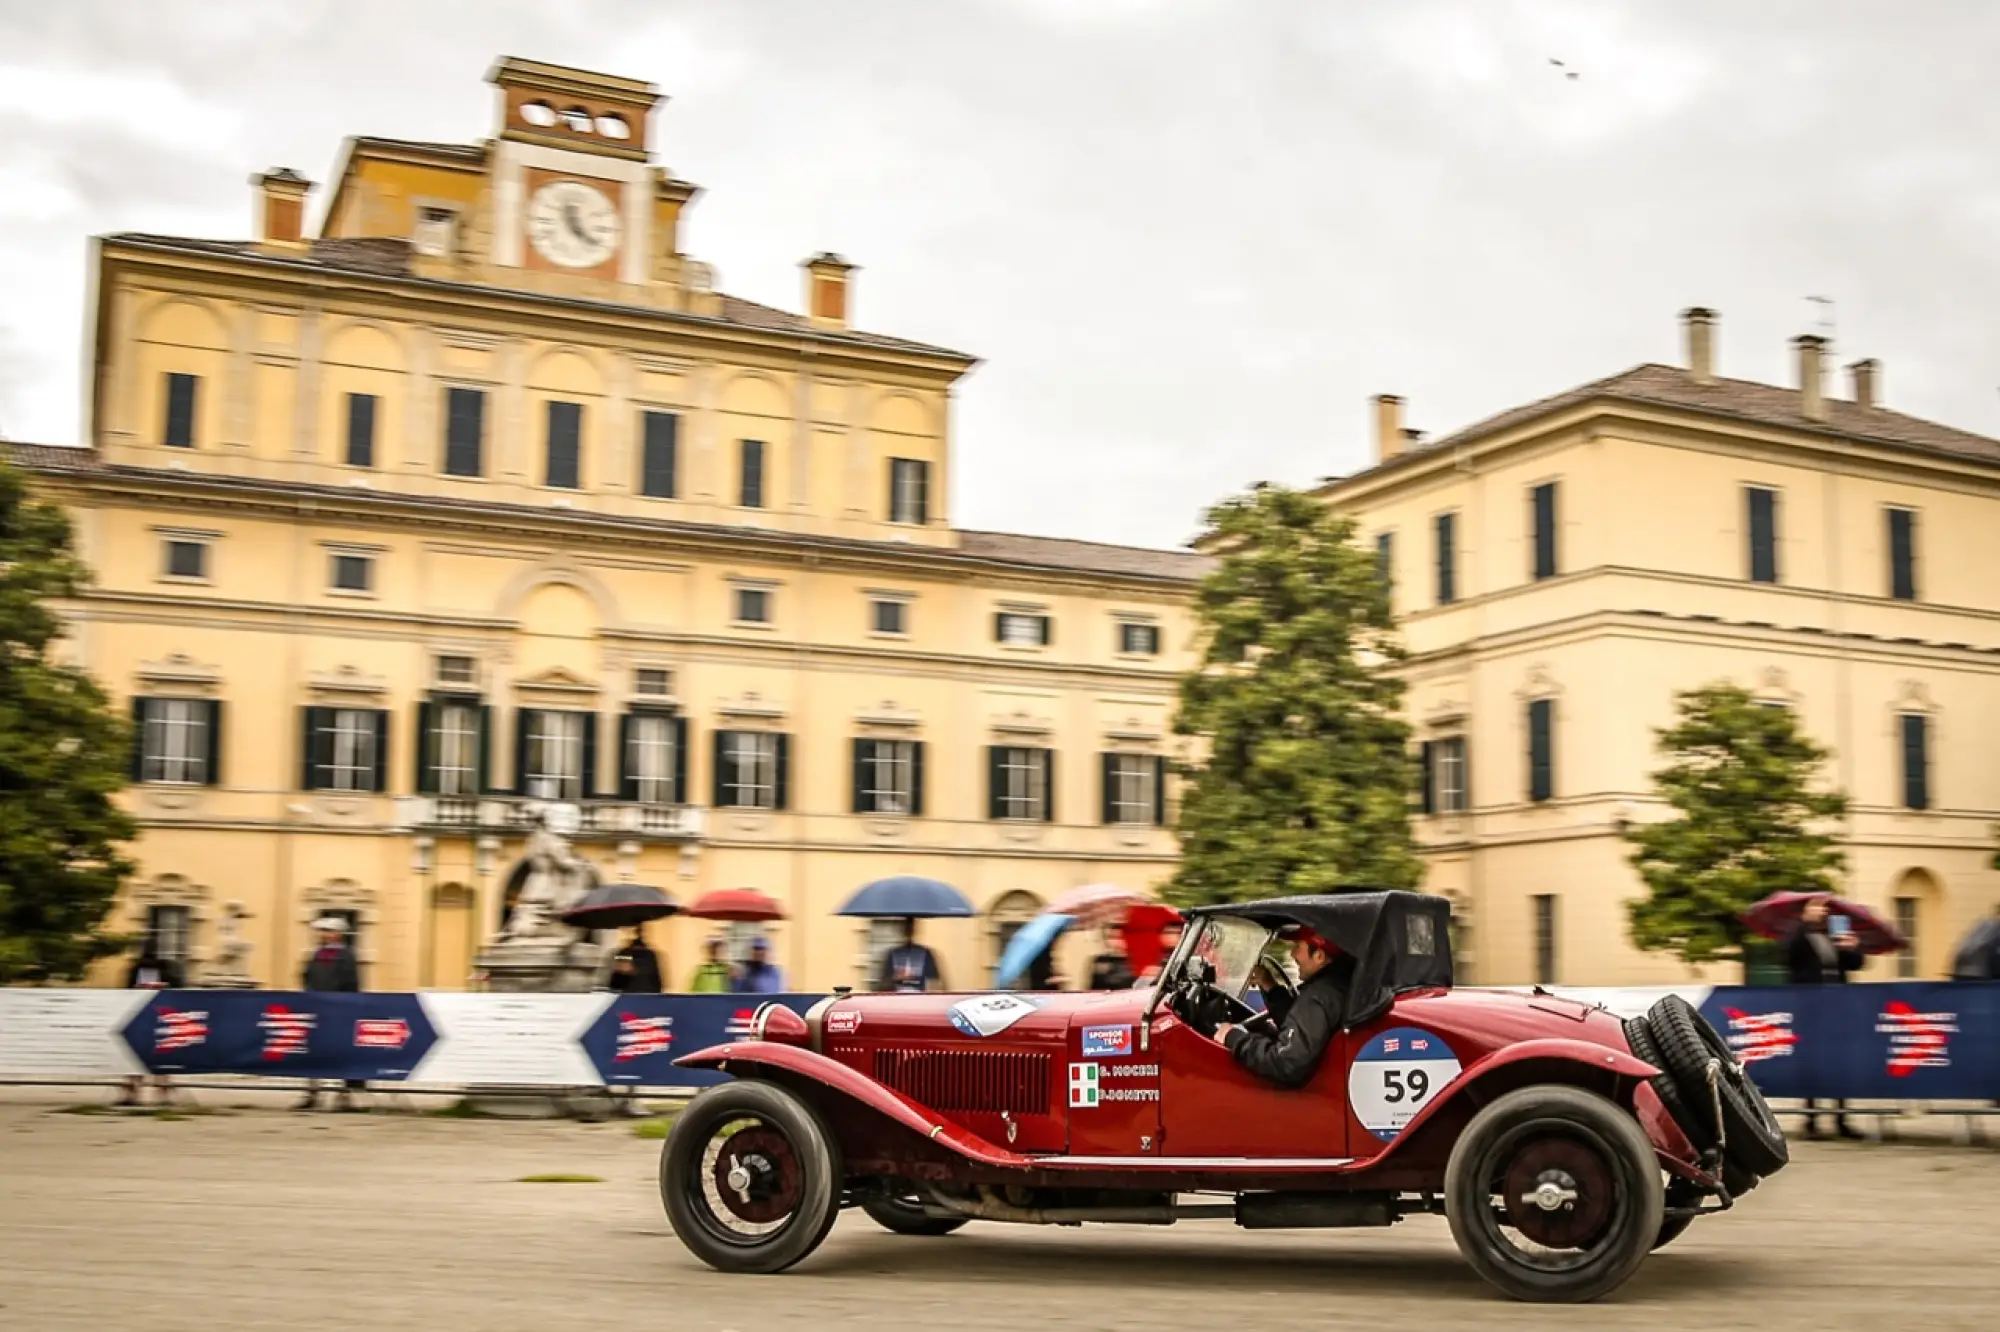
(253, 1217)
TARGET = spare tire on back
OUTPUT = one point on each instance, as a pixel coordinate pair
(1686, 1042)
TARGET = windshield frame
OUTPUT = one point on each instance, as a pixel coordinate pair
(1176, 963)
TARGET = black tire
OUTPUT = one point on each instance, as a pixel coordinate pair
(1699, 1126)
(793, 1167)
(1754, 1143)
(1618, 1197)
(900, 1212)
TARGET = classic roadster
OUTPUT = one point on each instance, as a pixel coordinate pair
(1561, 1144)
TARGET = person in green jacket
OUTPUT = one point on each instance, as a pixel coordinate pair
(712, 976)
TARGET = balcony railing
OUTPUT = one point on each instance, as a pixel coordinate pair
(504, 814)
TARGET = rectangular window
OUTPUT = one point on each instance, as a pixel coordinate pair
(187, 559)
(1916, 761)
(177, 740)
(888, 777)
(1448, 776)
(653, 762)
(653, 682)
(909, 491)
(1021, 783)
(1138, 640)
(344, 749)
(1543, 502)
(464, 432)
(456, 743)
(167, 931)
(1545, 939)
(749, 769)
(554, 753)
(1385, 559)
(1903, 554)
(353, 573)
(750, 473)
(1134, 789)
(1906, 925)
(1762, 504)
(889, 617)
(1447, 558)
(177, 431)
(753, 605)
(659, 443)
(360, 430)
(453, 670)
(1541, 749)
(1019, 629)
(565, 451)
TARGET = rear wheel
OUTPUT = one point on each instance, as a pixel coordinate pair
(898, 1210)
(750, 1178)
(1554, 1195)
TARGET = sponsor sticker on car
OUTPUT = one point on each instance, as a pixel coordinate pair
(843, 1022)
(1087, 1089)
(1106, 1042)
(988, 1015)
(1397, 1074)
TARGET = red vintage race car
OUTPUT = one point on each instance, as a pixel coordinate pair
(1562, 1144)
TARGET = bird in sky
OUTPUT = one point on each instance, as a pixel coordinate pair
(1569, 73)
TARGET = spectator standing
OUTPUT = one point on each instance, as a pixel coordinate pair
(759, 975)
(636, 968)
(712, 976)
(909, 967)
(1111, 969)
(1816, 954)
(332, 970)
(150, 971)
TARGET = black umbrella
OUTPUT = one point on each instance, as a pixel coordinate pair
(612, 906)
(1978, 956)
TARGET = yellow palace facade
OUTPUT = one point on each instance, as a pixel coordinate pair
(484, 496)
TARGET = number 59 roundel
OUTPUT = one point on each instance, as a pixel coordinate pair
(1395, 1075)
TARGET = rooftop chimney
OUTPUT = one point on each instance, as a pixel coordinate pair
(1812, 388)
(281, 207)
(829, 279)
(1867, 382)
(1700, 326)
(1390, 440)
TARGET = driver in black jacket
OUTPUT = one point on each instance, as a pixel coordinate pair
(1305, 1022)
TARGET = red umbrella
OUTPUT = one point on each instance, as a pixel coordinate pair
(1098, 904)
(1142, 927)
(1775, 916)
(735, 904)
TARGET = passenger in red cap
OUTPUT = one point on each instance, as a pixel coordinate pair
(1305, 1022)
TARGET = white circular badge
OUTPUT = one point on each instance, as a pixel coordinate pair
(1397, 1074)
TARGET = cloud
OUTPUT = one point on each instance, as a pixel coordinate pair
(1190, 239)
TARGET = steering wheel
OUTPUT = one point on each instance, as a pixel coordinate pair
(1201, 1005)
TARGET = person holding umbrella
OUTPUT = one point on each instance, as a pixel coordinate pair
(909, 968)
(636, 967)
(1821, 950)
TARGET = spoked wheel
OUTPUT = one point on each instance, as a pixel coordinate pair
(898, 1209)
(750, 1177)
(1554, 1195)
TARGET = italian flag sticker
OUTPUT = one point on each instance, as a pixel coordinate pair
(1083, 1086)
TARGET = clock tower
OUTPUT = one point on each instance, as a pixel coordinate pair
(572, 190)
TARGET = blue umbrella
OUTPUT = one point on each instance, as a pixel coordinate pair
(907, 895)
(1027, 945)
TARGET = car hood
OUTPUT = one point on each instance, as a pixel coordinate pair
(1012, 1018)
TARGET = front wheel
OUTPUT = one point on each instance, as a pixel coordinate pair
(750, 1178)
(899, 1211)
(1554, 1195)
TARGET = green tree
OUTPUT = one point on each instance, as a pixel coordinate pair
(1305, 778)
(1741, 775)
(63, 754)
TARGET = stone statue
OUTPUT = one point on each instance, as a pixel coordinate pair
(556, 877)
(231, 950)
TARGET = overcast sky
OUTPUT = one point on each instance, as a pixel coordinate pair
(1188, 238)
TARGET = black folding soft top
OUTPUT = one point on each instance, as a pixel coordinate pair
(1399, 941)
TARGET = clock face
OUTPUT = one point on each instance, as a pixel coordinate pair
(573, 224)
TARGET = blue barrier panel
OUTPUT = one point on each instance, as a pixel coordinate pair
(1897, 1041)
(378, 1037)
(1776, 1031)
(637, 1037)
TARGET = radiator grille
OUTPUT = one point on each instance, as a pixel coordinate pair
(992, 1080)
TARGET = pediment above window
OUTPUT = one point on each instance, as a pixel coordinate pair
(348, 680)
(179, 671)
(555, 680)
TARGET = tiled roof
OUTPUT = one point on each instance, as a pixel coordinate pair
(390, 257)
(1052, 554)
(1089, 556)
(1740, 400)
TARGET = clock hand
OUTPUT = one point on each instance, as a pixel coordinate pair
(575, 221)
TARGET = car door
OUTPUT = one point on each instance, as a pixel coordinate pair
(1211, 1106)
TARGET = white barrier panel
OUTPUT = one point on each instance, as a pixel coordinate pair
(68, 1033)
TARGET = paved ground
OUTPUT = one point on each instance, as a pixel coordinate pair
(256, 1218)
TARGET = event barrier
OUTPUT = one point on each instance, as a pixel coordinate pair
(1901, 1041)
